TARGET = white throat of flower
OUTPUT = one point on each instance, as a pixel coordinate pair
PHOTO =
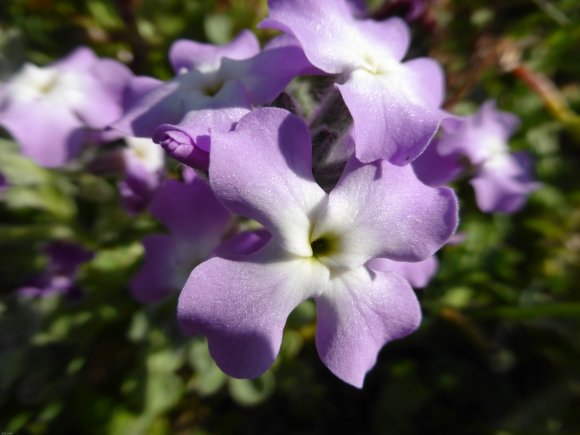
(207, 79)
(495, 153)
(148, 153)
(63, 88)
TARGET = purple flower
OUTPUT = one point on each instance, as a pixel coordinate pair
(229, 78)
(189, 142)
(60, 276)
(394, 105)
(502, 180)
(50, 110)
(196, 222)
(144, 164)
(418, 274)
(318, 249)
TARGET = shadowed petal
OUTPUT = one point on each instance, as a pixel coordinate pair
(360, 314)
(393, 118)
(263, 170)
(434, 169)
(243, 243)
(170, 102)
(165, 269)
(418, 274)
(191, 211)
(267, 75)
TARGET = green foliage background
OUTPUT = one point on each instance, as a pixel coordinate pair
(499, 348)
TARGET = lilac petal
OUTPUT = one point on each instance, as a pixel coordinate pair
(48, 134)
(266, 75)
(167, 264)
(504, 184)
(243, 243)
(489, 112)
(133, 199)
(393, 120)
(138, 186)
(332, 39)
(107, 93)
(154, 280)
(263, 170)
(434, 169)
(169, 103)
(242, 305)
(81, 59)
(183, 147)
(137, 88)
(358, 316)
(418, 274)
(431, 80)
(187, 55)
(480, 136)
(161, 105)
(382, 210)
(189, 142)
(191, 211)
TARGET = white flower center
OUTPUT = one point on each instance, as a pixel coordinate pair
(56, 87)
(147, 152)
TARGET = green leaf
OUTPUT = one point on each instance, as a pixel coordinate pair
(547, 310)
(208, 377)
(250, 392)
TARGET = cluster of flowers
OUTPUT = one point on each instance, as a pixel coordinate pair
(350, 200)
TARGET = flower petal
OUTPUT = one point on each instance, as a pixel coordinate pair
(503, 184)
(191, 211)
(189, 141)
(263, 170)
(242, 305)
(382, 210)
(243, 243)
(393, 118)
(80, 59)
(358, 315)
(186, 55)
(165, 269)
(170, 102)
(266, 75)
(48, 134)
(332, 39)
(106, 91)
(418, 274)
(480, 136)
(433, 169)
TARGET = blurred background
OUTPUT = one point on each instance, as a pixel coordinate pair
(499, 348)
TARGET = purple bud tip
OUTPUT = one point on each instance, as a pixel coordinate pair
(181, 146)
